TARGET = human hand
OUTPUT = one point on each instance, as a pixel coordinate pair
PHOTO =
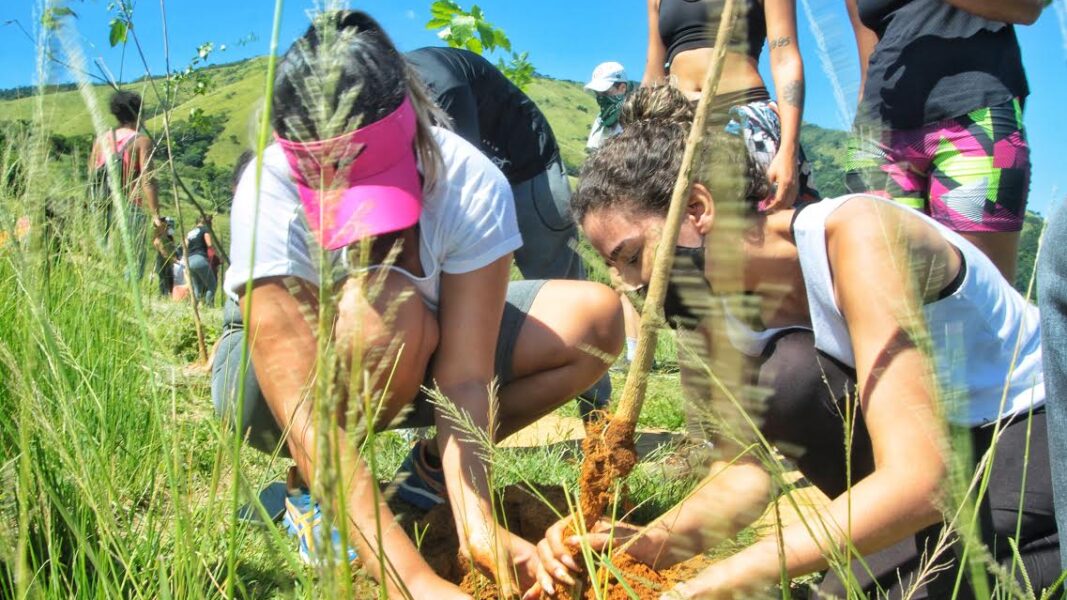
(506, 558)
(785, 184)
(557, 550)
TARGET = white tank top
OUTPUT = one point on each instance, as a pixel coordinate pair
(974, 331)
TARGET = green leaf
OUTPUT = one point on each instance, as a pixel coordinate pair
(473, 45)
(476, 12)
(444, 9)
(487, 35)
(462, 29)
(51, 17)
(501, 40)
(438, 22)
(119, 29)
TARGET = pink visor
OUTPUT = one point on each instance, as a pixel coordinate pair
(359, 184)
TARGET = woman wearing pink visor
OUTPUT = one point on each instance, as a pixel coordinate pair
(364, 162)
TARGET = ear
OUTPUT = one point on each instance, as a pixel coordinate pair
(700, 211)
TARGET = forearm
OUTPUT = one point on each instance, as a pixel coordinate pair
(151, 195)
(733, 495)
(892, 506)
(788, 72)
(374, 530)
(465, 470)
(1021, 12)
(866, 39)
(284, 352)
(654, 73)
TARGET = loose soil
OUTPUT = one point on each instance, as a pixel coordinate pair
(610, 455)
(529, 517)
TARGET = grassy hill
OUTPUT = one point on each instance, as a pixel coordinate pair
(231, 106)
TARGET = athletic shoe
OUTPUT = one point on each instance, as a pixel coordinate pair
(419, 484)
(303, 519)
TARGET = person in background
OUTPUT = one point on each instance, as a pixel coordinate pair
(610, 86)
(166, 255)
(494, 115)
(127, 153)
(939, 126)
(198, 241)
(681, 38)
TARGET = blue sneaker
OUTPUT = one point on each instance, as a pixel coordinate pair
(303, 519)
(419, 484)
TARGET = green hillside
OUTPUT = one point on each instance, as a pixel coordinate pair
(235, 98)
(206, 148)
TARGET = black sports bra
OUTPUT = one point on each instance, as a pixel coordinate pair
(689, 24)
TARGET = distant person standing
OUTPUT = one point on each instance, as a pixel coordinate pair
(939, 126)
(682, 35)
(494, 115)
(201, 276)
(610, 86)
(166, 256)
(127, 153)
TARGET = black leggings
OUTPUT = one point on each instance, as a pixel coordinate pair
(804, 418)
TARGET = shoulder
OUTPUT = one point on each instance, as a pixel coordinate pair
(275, 184)
(856, 216)
(465, 164)
(470, 187)
(439, 68)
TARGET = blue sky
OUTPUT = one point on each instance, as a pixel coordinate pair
(565, 39)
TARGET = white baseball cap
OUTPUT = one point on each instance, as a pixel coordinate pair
(606, 75)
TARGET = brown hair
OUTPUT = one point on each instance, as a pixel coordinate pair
(638, 167)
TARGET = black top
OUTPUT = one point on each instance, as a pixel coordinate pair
(688, 24)
(196, 241)
(488, 110)
(934, 62)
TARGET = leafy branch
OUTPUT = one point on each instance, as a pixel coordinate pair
(460, 28)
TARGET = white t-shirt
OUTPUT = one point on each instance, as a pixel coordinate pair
(467, 222)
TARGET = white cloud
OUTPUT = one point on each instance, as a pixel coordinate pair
(410, 14)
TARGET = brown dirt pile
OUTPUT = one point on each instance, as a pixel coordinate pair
(523, 514)
(610, 455)
(529, 517)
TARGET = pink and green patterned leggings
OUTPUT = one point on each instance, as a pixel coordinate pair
(971, 173)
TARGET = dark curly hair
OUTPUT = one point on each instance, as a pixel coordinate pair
(638, 167)
(125, 106)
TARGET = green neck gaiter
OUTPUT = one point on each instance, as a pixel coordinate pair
(611, 107)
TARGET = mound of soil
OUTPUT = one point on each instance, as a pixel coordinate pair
(610, 455)
(529, 516)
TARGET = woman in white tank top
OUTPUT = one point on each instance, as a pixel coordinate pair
(877, 285)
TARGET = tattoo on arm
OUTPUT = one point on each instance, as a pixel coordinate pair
(793, 93)
(781, 42)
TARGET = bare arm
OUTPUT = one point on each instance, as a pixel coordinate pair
(787, 69)
(147, 177)
(283, 348)
(472, 305)
(1019, 12)
(866, 39)
(657, 53)
(897, 397)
